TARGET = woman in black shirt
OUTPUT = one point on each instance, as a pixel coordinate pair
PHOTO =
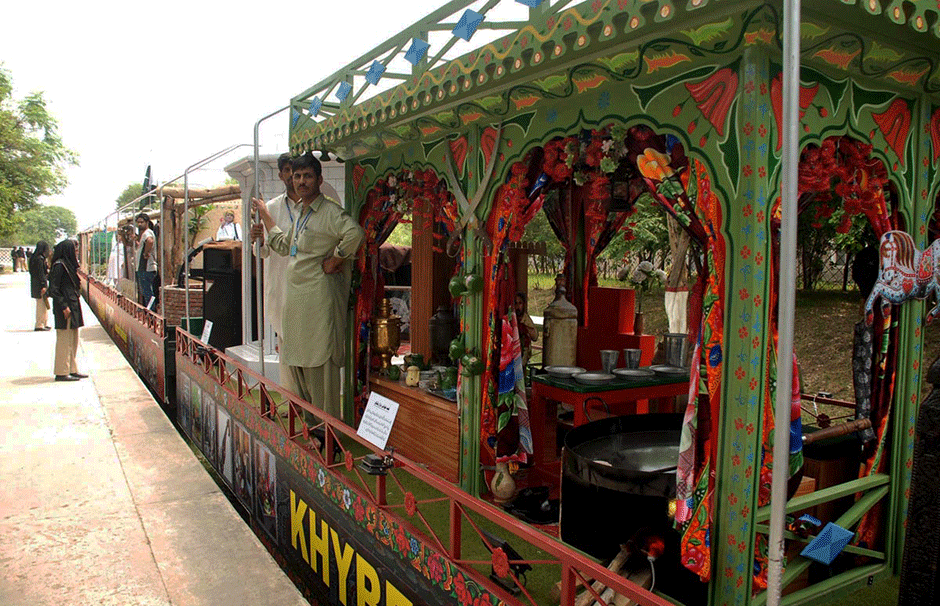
(39, 283)
(66, 309)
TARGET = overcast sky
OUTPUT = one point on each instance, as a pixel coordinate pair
(176, 81)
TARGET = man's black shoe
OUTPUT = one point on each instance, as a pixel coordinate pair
(66, 378)
(78, 375)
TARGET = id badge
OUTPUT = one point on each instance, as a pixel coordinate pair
(293, 250)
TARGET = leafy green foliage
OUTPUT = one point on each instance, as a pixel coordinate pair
(198, 219)
(133, 190)
(644, 234)
(49, 223)
(33, 157)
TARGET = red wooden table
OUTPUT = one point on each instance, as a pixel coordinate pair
(620, 395)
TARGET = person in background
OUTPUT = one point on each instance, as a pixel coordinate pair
(283, 209)
(39, 283)
(146, 260)
(320, 244)
(528, 333)
(15, 255)
(64, 289)
(229, 228)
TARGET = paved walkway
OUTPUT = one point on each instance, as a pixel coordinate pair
(101, 500)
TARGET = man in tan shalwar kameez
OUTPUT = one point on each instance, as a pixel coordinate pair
(319, 246)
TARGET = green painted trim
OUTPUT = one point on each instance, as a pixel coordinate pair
(828, 494)
(823, 592)
(849, 518)
(869, 553)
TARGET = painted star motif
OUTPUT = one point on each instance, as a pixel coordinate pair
(315, 106)
(419, 48)
(375, 73)
(468, 24)
(344, 89)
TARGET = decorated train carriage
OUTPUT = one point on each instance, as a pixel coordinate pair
(580, 112)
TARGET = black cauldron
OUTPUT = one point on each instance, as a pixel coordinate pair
(618, 478)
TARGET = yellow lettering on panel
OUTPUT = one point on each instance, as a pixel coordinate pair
(393, 597)
(297, 510)
(365, 573)
(320, 544)
(343, 560)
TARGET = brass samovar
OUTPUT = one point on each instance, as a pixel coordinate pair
(386, 333)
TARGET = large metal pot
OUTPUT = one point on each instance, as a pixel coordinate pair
(618, 477)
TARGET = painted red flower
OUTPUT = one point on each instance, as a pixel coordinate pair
(746, 252)
(742, 332)
(411, 504)
(744, 294)
(348, 460)
(747, 210)
(436, 568)
(895, 125)
(714, 96)
(459, 148)
(739, 373)
(934, 128)
(401, 540)
(807, 94)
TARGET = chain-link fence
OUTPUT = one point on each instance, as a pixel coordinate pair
(833, 271)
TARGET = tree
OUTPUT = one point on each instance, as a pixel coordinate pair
(49, 223)
(33, 157)
(130, 192)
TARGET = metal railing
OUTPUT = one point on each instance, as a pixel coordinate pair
(256, 391)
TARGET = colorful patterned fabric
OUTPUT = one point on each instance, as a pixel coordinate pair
(504, 427)
(690, 200)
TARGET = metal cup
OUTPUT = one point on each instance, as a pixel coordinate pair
(674, 346)
(609, 359)
(632, 357)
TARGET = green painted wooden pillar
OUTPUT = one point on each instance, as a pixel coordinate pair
(471, 478)
(748, 254)
(912, 364)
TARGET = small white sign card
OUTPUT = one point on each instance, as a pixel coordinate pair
(206, 331)
(377, 420)
(150, 302)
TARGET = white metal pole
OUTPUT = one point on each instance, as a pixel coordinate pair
(787, 294)
(248, 219)
(189, 319)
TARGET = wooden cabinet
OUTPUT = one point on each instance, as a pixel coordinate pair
(426, 428)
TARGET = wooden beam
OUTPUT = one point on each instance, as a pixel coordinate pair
(195, 193)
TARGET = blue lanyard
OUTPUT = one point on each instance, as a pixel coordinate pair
(300, 226)
(287, 205)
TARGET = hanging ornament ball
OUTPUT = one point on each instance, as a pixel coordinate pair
(474, 283)
(457, 286)
(457, 349)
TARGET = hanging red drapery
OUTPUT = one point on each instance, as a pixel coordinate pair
(389, 200)
(506, 436)
(843, 167)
